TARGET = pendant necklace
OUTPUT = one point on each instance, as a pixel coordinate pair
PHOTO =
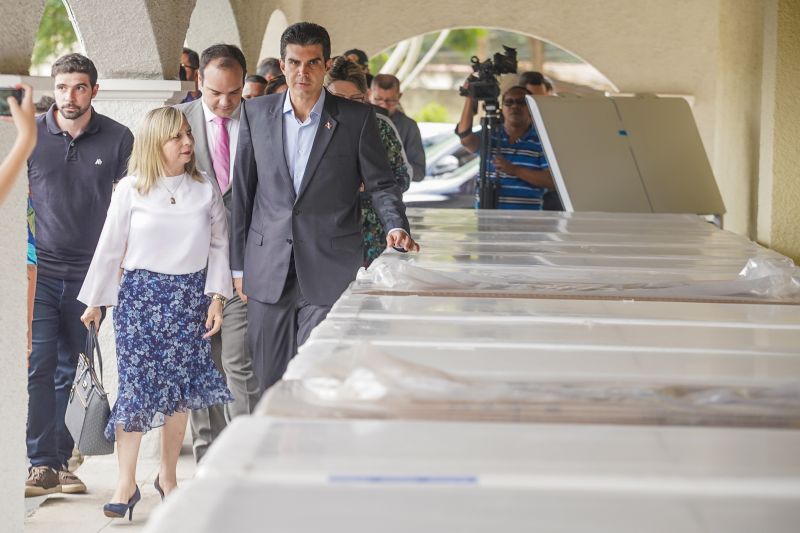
(172, 192)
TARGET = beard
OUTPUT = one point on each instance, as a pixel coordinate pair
(71, 113)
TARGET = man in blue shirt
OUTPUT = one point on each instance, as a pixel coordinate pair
(518, 164)
(79, 155)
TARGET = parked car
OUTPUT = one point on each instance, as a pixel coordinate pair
(450, 174)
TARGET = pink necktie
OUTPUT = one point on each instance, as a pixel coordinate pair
(222, 153)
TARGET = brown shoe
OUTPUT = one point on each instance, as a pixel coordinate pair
(41, 480)
(70, 483)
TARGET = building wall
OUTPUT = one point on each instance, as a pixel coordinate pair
(785, 199)
(738, 111)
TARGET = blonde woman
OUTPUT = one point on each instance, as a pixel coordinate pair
(166, 228)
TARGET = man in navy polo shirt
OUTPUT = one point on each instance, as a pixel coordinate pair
(519, 165)
(79, 156)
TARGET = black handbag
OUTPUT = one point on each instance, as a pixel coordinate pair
(88, 409)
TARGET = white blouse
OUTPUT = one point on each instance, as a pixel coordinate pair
(150, 232)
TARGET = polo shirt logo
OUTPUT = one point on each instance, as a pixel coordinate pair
(98, 162)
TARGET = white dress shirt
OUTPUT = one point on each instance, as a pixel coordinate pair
(233, 134)
(151, 233)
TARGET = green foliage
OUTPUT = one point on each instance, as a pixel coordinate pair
(376, 62)
(56, 34)
(432, 112)
(465, 41)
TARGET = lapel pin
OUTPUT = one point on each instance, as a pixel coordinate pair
(328, 124)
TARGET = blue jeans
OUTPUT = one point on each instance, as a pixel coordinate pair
(58, 337)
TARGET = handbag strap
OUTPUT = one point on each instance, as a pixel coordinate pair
(92, 347)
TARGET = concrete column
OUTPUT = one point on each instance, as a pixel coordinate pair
(13, 365)
(18, 26)
(13, 329)
(133, 39)
(127, 100)
(785, 197)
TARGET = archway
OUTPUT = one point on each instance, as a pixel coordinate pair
(212, 22)
(432, 66)
(270, 46)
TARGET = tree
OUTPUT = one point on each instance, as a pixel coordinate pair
(56, 34)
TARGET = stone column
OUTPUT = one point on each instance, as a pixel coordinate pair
(13, 329)
(13, 361)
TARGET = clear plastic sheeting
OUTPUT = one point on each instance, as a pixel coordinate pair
(523, 310)
(653, 460)
(672, 338)
(365, 383)
(581, 255)
(577, 361)
(236, 505)
(768, 280)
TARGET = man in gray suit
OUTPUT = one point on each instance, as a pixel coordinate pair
(214, 121)
(295, 236)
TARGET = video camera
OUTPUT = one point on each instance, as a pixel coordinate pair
(483, 84)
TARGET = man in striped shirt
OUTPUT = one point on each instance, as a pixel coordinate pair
(517, 163)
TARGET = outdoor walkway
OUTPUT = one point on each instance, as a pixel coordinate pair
(83, 513)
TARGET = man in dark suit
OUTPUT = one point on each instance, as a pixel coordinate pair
(214, 121)
(296, 238)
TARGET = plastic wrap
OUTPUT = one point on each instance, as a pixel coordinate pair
(563, 336)
(236, 505)
(576, 362)
(766, 280)
(497, 455)
(364, 383)
(526, 310)
(512, 221)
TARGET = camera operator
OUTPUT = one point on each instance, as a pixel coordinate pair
(518, 165)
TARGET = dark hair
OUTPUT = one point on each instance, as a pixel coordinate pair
(274, 84)
(370, 77)
(535, 78)
(194, 59)
(385, 82)
(531, 78)
(255, 78)
(306, 34)
(343, 69)
(516, 88)
(362, 60)
(228, 56)
(72, 63)
(44, 104)
(269, 66)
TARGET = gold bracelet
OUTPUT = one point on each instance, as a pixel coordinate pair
(218, 297)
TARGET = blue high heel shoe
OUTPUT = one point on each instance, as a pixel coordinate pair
(117, 510)
(157, 485)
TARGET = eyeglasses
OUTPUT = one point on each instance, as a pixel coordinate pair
(188, 66)
(356, 97)
(508, 102)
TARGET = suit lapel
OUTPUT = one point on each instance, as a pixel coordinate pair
(327, 125)
(278, 154)
(197, 121)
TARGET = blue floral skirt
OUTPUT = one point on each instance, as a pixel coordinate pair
(164, 363)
